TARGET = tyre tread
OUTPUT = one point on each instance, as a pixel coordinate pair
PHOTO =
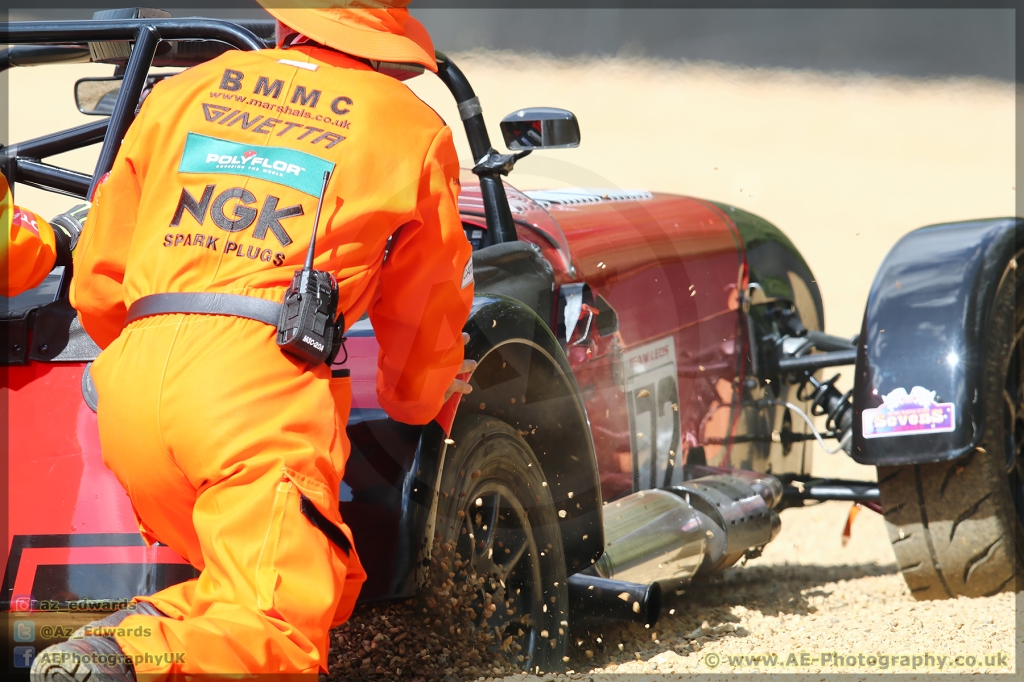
(952, 525)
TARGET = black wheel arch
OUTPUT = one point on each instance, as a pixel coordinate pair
(925, 324)
(776, 265)
(519, 357)
(389, 494)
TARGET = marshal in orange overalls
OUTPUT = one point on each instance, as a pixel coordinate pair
(28, 247)
(213, 431)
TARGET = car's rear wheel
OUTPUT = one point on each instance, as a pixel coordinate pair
(955, 527)
(497, 515)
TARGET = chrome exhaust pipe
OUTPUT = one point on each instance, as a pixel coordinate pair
(735, 508)
(652, 535)
(765, 485)
(594, 598)
(705, 524)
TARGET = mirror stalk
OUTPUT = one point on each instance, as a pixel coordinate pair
(495, 162)
(489, 170)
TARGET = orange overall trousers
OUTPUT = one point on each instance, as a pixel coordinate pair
(214, 432)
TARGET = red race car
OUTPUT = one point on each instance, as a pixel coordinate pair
(648, 370)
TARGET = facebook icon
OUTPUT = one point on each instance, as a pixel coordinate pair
(23, 656)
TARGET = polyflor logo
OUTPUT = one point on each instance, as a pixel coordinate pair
(281, 165)
(251, 159)
(908, 414)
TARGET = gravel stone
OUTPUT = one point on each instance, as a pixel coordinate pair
(436, 637)
(808, 593)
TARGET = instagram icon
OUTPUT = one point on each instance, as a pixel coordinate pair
(22, 603)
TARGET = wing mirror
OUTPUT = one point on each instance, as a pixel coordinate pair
(540, 128)
(96, 96)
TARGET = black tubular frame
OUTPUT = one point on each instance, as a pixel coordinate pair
(23, 162)
(812, 363)
(34, 55)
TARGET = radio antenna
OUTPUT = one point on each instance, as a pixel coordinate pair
(316, 223)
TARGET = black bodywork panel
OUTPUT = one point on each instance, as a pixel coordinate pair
(776, 264)
(931, 300)
(385, 498)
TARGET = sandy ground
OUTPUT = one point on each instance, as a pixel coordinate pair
(808, 605)
(845, 165)
(811, 597)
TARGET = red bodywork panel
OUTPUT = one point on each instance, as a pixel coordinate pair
(660, 385)
(669, 267)
(70, 523)
(79, 489)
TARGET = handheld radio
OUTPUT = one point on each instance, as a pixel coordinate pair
(307, 328)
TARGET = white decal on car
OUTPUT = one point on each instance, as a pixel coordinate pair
(652, 399)
(908, 414)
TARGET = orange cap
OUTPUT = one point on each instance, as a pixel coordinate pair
(381, 30)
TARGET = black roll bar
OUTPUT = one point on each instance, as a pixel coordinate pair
(63, 32)
(146, 34)
(45, 176)
(23, 160)
(127, 102)
(35, 55)
(492, 190)
(63, 141)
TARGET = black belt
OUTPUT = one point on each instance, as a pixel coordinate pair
(234, 305)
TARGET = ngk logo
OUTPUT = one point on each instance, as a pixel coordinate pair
(234, 210)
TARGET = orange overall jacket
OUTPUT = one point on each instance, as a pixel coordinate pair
(217, 184)
(28, 249)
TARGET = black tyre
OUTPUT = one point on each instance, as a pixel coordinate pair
(956, 526)
(497, 514)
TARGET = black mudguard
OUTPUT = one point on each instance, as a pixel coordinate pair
(777, 266)
(524, 379)
(924, 326)
(388, 493)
